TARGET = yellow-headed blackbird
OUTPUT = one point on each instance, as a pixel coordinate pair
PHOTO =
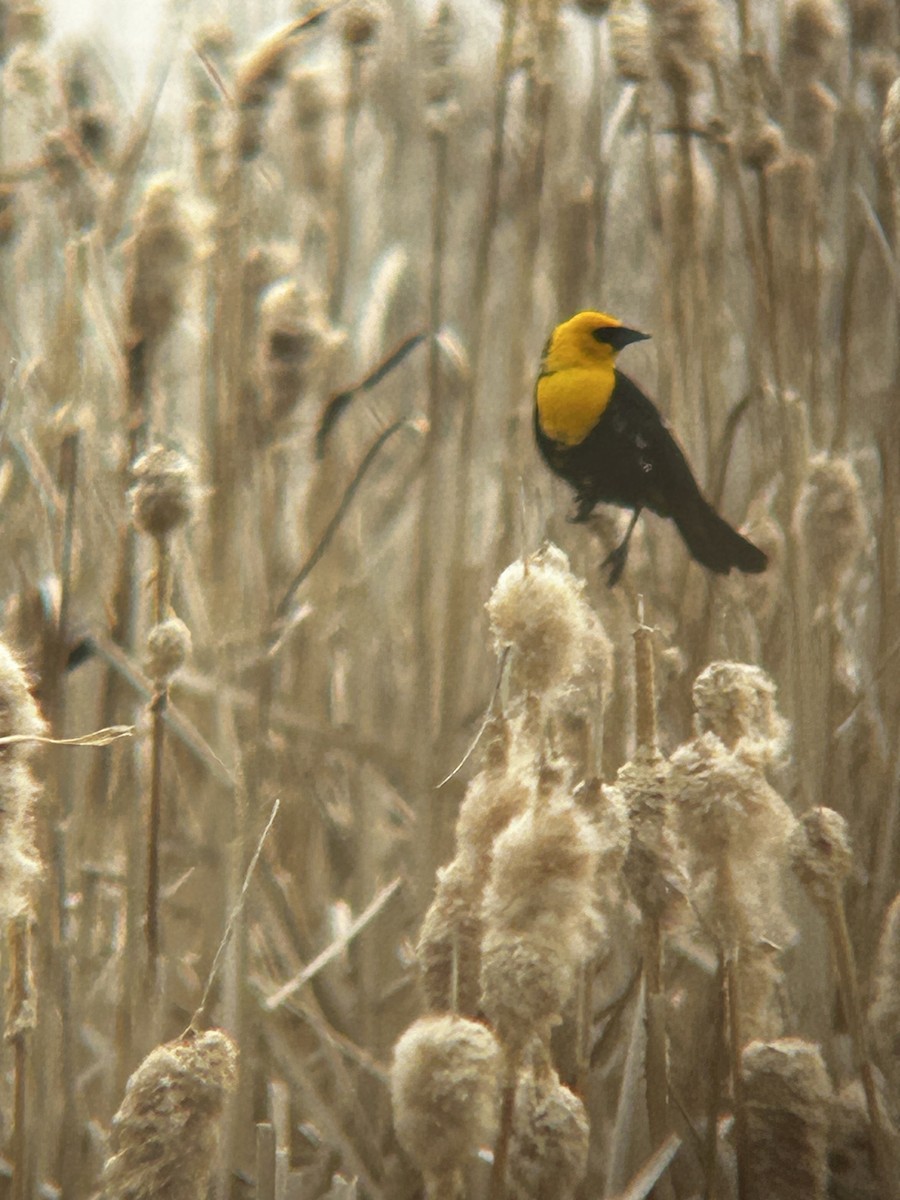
(597, 430)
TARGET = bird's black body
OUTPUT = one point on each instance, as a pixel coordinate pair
(630, 458)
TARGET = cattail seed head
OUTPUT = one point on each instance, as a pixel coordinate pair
(735, 829)
(165, 1134)
(549, 1146)
(736, 702)
(821, 854)
(258, 77)
(593, 8)
(629, 30)
(815, 113)
(761, 144)
(164, 496)
(810, 37)
(25, 23)
(444, 1088)
(831, 520)
(872, 23)
(441, 82)
(786, 1094)
(360, 22)
(449, 945)
(168, 647)
(538, 609)
(295, 343)
(685, 37)
(20, 864)
(537, 909)
(160, 253)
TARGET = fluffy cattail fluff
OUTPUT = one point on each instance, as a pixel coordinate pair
(735, 830)
(295, 341)
(164, 496)
(449, 947)
(444, 1089)
(810, 38)
(884, 1012)
(19, 862)
(890, 132)
(821, 854)
(581, 705)
(831, 521)
(168, 647)
(165, 1134)
(537, 908)
(736, 702)
(160, 253)
(786, 1095)
(629, 30)
(652, 865)
(549, 1145)
(537, 609)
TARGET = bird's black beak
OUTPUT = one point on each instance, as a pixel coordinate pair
(619, 336)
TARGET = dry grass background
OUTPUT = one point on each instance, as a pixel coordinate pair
(199, 278)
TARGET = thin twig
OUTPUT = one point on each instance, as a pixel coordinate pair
(337, 947)
(235, 913)
(332, 527)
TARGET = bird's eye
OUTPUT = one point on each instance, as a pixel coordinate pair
(608, 335)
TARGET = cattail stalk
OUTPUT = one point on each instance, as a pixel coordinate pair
(656, 1069)
(56, 708)
(158, 705)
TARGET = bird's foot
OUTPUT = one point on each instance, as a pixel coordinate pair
(582, 512)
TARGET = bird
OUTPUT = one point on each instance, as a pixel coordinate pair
(597, 430)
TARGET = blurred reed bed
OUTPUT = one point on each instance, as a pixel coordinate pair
(269, 333)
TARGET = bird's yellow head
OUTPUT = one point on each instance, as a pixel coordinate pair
(587, 339)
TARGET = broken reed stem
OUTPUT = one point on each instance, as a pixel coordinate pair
(645, 688)
(848, 983)
(158, 705)
(265, 1161)
(18, 999)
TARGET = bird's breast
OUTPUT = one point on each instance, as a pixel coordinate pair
(571, 401)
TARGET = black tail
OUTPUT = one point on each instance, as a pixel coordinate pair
(713, 542)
